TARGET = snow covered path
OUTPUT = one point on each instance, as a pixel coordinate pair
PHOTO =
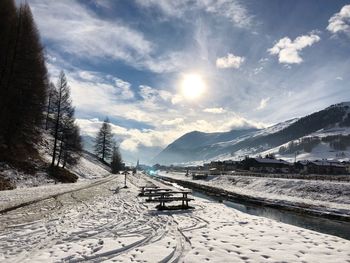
(105, 223)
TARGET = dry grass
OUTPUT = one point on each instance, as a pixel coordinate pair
(62, 175)
(5, 184)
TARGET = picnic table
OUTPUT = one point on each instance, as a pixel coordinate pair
(167, 197)
(150, 189)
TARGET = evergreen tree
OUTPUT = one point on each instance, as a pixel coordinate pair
(71, 146)
(117, 162)
(8, 23)
(23, 79)
(63, 117)
(104, 141)
(51, 96)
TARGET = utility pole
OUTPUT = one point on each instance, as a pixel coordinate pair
(295, 156)
(125, 173)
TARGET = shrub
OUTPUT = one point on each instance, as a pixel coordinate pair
(62, 175)
(6, 184)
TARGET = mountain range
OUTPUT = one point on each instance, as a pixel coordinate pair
(326, 132)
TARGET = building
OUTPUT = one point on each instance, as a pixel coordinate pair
(222, 166)
(268, 165)
(199, 175)
(214, 171)
(326, 167)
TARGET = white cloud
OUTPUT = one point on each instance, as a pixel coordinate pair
(177, 99)
(340, 22)
(232, 10)
(239, 122)
(173, 122)
(339, 78)
(263, 103)
(125, 88)
(154, 99)
(167, 130)
(215, 110)
(120, 89)
(288, 51)
(257, 70)
(84, 35)
(230, 61)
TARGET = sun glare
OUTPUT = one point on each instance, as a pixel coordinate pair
(192, 86)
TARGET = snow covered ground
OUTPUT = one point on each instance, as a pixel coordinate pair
(87, 168)
(106, 223)
(324, 196)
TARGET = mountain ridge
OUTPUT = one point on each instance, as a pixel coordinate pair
(252, 141)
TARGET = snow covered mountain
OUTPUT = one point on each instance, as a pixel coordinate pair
(329, 127)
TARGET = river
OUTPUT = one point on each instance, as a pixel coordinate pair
(316, 223)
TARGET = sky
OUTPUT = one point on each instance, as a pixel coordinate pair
(259, 62)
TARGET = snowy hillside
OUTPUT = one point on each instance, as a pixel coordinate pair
(322, 148)
(329, 124)
(88, 167)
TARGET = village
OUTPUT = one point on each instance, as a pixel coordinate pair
(262, 165)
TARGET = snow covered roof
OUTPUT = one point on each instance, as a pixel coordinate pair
(327, 163)
(267, 160)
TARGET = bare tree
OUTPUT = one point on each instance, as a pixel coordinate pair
(63, 112)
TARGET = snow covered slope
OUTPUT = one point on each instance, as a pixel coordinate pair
(88, 167)
(332, 121)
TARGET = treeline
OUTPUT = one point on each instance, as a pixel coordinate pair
(304, 144)
(336, 142)
(29, 104)
(23, 81)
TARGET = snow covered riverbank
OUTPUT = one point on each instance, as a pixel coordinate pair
(105, 223)
(327, 197)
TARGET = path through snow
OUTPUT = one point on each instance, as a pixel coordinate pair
(106, 223)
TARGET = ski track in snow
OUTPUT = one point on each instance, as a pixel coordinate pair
(106, 223)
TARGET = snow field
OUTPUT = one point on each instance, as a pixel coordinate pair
(106, 223)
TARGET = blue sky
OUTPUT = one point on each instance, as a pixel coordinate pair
(262, 62)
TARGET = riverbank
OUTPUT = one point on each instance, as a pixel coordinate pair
(107, 223)
(322, 198)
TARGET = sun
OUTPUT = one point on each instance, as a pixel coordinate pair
(192, 86)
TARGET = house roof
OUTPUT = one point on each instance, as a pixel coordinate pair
(274, 161)
(327, 163)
